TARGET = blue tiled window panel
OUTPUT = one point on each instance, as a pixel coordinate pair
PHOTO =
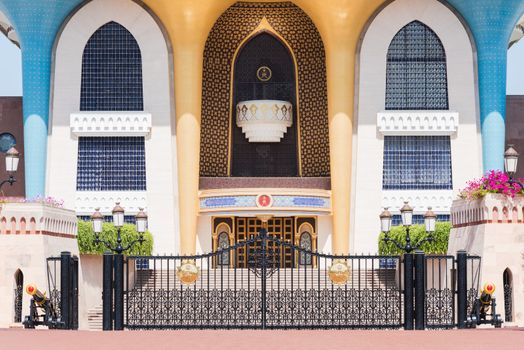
(128, 219)
(416, 77)
(396, 220)
(111, 164)
(111, 71)
(417, 163)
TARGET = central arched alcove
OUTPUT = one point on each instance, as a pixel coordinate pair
(285, 27)
(267, 159)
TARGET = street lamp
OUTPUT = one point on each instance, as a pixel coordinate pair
(406, 213)
(12, 158)
(118, 221)
(511, 159)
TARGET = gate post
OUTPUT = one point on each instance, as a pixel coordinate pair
(65, 289)
(408, 291)
(74, 291)
(462, 288)
(420, 290)
(107, 293)
(119, 292)
(263, 236)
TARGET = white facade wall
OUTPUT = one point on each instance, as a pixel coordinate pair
(161, 197)
(370, 96)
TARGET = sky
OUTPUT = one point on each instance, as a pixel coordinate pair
(11, 69)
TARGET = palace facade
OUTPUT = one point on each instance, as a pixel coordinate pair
(213, 113)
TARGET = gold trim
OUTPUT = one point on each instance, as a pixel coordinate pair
(303, 192)
(263, 26)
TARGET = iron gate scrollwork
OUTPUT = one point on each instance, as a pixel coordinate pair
(440, 291)
(263, 294)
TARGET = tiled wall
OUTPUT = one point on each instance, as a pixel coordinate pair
(11, 123)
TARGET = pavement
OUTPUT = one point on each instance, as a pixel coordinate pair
(493, 339)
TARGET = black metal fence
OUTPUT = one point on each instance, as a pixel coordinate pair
(267, 283)
(265, 295)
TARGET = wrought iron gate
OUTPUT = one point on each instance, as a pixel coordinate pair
(62, 286)
(264, 294)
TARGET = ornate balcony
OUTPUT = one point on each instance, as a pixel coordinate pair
(264, 120)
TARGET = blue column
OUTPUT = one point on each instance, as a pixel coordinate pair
(36, 22)
(491, 22)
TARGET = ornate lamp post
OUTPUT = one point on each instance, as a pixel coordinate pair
(511, 159)
(406, 213)
(114, 265)
(118, 221)
(12, 158)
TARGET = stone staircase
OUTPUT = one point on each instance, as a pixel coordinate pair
(94, 318)
(297, 278)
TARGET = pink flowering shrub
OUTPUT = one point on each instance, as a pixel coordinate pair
(50, 201)
(494, 181)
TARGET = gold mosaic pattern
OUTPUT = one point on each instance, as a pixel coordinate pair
(235, 24)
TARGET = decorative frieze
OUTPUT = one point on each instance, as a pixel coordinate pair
(110, 123)
(402, 123)
(257, 200)
(87, 201)
(37, 218)
(491, 209)
(439, 200)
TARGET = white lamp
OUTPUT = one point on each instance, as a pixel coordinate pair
(141, 221)
(406, 213)
(11, 160)
(118, 215)
(98, 220)
(430, 220)
(511, 158)
(385, 220)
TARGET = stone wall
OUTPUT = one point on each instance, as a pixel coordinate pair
(493, 228)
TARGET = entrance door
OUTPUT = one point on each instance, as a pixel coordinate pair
(277, 228)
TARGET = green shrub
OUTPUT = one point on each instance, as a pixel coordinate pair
(417, 233)
(86, 239)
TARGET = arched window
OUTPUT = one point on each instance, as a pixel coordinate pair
(111, 71)
(223, 243)
(18, 292)
(306, 242)
(264, 70)
(508, 295)
(416, 70)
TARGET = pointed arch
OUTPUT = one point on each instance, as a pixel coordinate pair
(416, 77)
(111, 71)
(264, 47)
(229, 31)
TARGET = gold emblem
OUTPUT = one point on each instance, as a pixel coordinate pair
(264, 73)
(339, 272)
(188, 272)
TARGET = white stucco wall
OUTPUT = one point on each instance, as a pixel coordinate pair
(162, 194)
(371, 86)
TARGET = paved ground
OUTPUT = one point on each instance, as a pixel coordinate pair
(268, 340)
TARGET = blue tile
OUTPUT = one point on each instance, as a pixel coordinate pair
(417, 163)
(416, 70)
(111, 71)
(111, 164)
